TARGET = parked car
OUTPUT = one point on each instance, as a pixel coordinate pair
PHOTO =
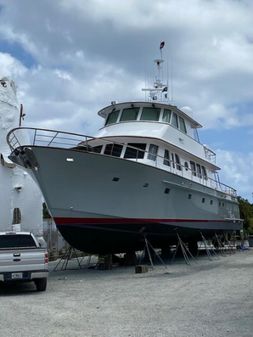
(22, 258)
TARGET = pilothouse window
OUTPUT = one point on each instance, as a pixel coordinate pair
(129, 114)
(150, 114)
(112, 117)
(174, 121)
(135, 150)
(166, 116)
(182, 124)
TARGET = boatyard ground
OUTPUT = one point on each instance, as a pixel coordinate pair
(208, 298)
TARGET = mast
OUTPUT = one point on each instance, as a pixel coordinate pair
(159, 90)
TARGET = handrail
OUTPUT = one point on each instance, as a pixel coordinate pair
(50, 138)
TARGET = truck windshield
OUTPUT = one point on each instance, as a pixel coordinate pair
(16, 241)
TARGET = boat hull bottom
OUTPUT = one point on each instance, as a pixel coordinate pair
(105, 239)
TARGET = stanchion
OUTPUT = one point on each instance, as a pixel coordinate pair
(220, 245)
(70, 254)
(149, 248)
(210, 252)
(185, 251)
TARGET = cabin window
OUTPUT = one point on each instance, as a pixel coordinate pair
(178, 165)
(150, 114)
(135, 150)
(182, 124)
(173, 160)
(152, 152)
(166, 116)
(186, 165)
(204, 172)
(97, 149)
(112, 117)
(174, 120)
(113, 150)
(198, 170)
(129, 114)
(193, 167)
(166, 160)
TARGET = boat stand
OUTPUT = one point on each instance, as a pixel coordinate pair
(210, 252)
(229, 244)
(185, 251)
(220, 246)
(151, 251)
(64, 260)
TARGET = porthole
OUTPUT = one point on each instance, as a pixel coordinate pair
(115, 179)
(145, 185)
(167, 190)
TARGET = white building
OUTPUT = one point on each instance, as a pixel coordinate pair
(20, 197)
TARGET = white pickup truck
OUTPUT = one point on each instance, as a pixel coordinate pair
(23, 259)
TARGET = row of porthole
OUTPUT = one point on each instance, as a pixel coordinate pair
(167, 191)
(211, 201)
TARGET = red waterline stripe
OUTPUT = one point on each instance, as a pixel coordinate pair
(66, 221)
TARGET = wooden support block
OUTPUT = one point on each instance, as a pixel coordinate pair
(141, 269)
(104, 262)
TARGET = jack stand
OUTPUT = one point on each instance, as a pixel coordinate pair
(209, 251)
(220, 246)
(186, 252)
(104, 262)
(148, 246)
(70, 253)
(229, 244)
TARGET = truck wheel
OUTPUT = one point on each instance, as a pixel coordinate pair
(41, 284)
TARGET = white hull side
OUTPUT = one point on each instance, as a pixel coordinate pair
(93, 191)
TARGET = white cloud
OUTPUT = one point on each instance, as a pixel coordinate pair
(237, 170)
(96, 51)
(89, 53)
(11, 67)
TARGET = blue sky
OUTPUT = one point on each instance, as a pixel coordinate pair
(69, 58)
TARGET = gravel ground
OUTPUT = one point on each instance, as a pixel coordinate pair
(207, 298)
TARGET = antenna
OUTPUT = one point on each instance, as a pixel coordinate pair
(160, 89)
(171, 79)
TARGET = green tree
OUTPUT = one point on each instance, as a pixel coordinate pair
(246, 213)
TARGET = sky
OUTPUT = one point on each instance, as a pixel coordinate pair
(70, 58)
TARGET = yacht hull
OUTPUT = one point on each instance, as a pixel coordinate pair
(104, 204)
